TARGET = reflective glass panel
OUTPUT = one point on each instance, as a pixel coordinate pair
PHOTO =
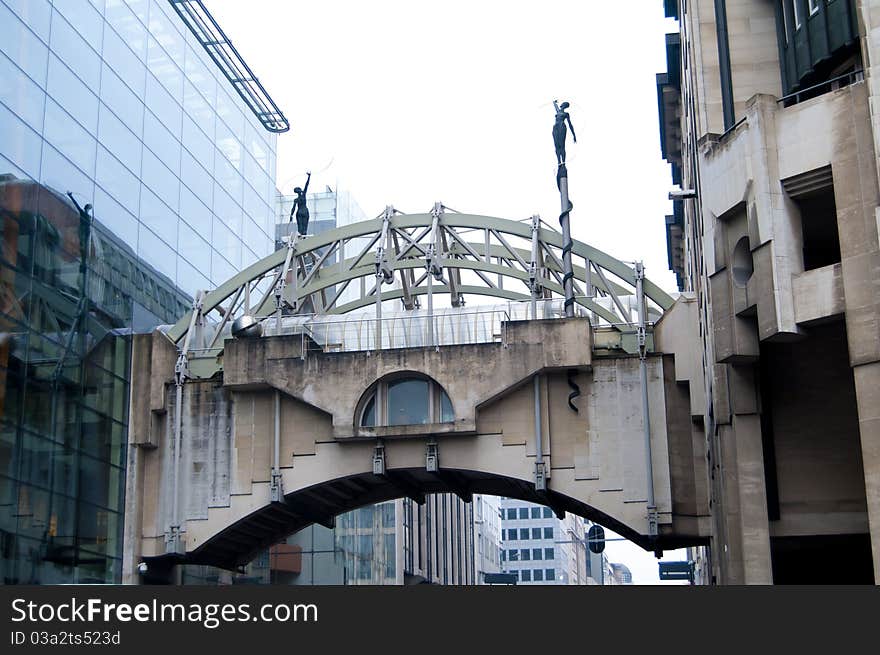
(408, 402)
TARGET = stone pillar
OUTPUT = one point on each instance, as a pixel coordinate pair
(867, 379)
(754, 529)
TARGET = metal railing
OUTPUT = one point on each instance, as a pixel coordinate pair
(833, 84)
(362, 332)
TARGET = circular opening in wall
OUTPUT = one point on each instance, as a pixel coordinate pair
(742, 262)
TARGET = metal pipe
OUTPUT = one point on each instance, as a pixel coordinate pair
(175, 485)
(276, 454)
(540, 478)
(643, 377)
(539, 449)
(724, 63)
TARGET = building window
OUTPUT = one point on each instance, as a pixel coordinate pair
(536, 512)
(523, 533)
(548, 533)
(536, 553)
(511, 514)
(548, 553)
(548, 513)
(412, 400)
(525, 575)
(513, 555)
(511, 534)
(538, 575)
(525, 555)
(550, 574)
(524, 512)
(536, 533)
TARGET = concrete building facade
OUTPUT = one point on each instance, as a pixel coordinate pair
(768, 118)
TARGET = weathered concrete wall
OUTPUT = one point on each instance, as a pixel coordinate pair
(594, 457)
(471, 374)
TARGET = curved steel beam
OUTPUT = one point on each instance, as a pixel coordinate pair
(259, 270)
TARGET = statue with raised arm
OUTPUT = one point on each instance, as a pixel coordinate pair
(559, 131)
(300, 208)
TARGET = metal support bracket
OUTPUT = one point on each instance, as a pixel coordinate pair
(432, 458)
(540, 476)
(174, 541)
(379, 460)
(384, 274)
(641, 330)
(653, 521)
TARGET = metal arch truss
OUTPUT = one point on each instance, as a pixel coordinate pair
(441, 252)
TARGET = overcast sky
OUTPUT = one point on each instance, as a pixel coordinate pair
(408, 102)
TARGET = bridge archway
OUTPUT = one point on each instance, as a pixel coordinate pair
(238, 543)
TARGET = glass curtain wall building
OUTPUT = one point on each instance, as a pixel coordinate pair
(115, 105)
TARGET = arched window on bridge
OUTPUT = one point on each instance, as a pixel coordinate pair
(405, 400)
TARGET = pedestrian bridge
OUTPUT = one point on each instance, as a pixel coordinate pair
(359, 365)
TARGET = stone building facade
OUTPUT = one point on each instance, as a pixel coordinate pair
(768, 119)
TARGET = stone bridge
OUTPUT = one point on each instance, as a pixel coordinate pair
(278, 402)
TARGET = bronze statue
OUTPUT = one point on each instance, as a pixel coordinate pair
(300, 209)
(559, 132)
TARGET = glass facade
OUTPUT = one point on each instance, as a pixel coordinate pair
(111, 104)
(117, 102)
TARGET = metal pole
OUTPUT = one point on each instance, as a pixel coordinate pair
(175, 485)
(646, 414)
(430, 309)
(379, 312)
(540, 479)
(276, 452)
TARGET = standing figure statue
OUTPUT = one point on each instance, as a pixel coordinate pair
(300, 208)
(559, 131)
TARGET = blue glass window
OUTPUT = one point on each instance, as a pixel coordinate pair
(84, 19)
(193, 247)
(116, 218)
(161, 180)
(22, 47)
(127, 64)
(196, 214)
(160, 255)
(408, 402)
(122, 101)
(165, 70)
(69, 138)
(196, 178)
(163, 106)
(161, 142)
(36, 14)
(70, 93)
(157, 216)
(119, 14)
(123, 185)
(74, 51)
(21, 94)
(20, 143)
(119, 140)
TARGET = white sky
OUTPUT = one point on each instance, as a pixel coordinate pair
(412, 102)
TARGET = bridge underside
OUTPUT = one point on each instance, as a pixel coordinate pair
(239, 543)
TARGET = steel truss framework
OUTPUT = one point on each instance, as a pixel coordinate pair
(411, 257)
